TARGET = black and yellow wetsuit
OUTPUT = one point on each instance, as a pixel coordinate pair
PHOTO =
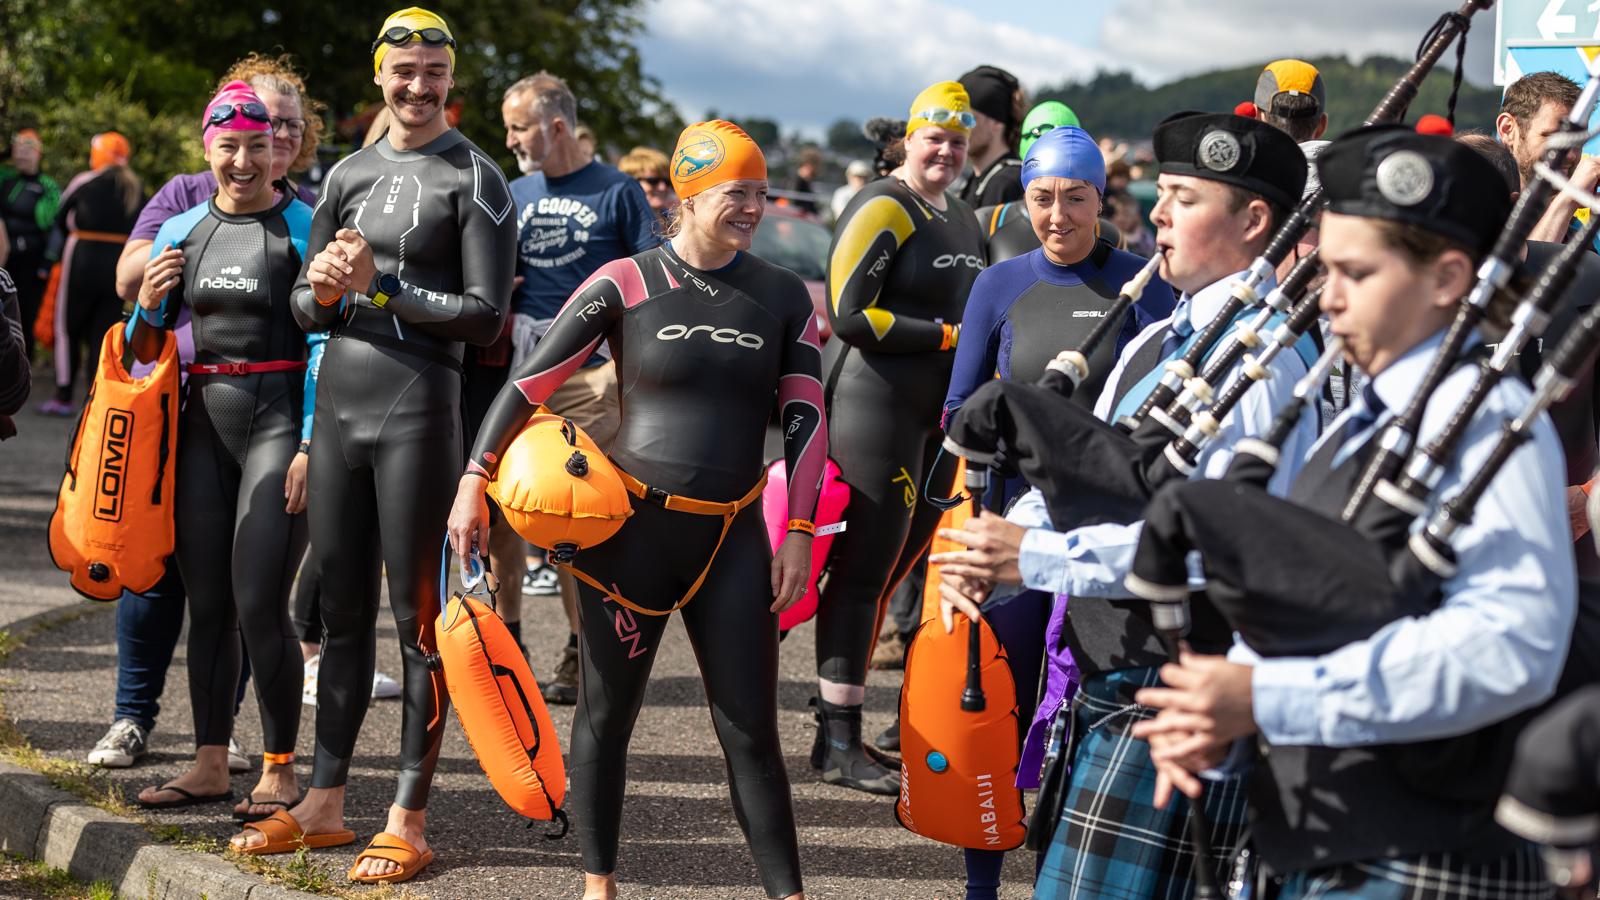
(898, 276)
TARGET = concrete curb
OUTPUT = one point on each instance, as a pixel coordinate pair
(46, 823)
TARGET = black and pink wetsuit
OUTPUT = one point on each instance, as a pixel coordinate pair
(700, 356)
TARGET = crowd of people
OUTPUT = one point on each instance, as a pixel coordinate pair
(359, 360)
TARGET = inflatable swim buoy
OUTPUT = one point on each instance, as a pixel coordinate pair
(955, 517)
(113, 527)
(500, 707)
(958, 768)
(831, 504)
(557, 489)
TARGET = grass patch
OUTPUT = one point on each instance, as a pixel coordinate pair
(22, 877)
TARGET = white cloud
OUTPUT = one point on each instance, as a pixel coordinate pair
(1169, 38)
(808, 62)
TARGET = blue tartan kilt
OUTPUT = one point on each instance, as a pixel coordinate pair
(1111, 841)
(1434, 876)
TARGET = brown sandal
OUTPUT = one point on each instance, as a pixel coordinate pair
(397, 850)
(284, 835)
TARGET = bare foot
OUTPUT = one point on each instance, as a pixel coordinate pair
(405, 824)
(321, 811)
(207, 777)
(599, 887)
(277, 782)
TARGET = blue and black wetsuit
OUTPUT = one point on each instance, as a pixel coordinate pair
(388, 445)
(237, 546)
(700, 356)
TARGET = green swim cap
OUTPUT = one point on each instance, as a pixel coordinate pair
(1042, 118)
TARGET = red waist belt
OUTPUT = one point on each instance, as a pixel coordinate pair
(247, 368)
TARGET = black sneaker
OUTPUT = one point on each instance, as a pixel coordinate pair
(123, 744)
(541, 581)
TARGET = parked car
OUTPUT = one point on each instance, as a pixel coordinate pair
(799, 242)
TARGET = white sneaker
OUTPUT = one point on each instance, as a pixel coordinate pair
(238, 760)
(123, 744)
(384, 687)
(308, 687)
(541, 582)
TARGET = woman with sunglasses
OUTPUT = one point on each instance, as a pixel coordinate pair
(904, 255)
(232, 261)
(648, 166)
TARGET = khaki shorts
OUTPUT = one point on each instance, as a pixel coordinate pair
(588, 398)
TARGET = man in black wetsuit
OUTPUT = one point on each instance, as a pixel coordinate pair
(998, 104)
(415, 251)
(28, 201)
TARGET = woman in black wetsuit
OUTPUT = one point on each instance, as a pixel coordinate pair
(704, 335)
(233, 261)
(904, 255)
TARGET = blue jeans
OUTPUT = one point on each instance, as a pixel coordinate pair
(148, 626)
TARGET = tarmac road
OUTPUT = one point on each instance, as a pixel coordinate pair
(680, 838)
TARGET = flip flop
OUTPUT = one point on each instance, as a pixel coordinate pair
(185, 799)
(397, 850)
(284, 835)
(245, 818)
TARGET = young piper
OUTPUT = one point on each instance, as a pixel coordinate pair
(1224, 184)
(1338, 812)
(415, 246)
(233, 261)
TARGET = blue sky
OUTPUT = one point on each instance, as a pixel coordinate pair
(809, 62)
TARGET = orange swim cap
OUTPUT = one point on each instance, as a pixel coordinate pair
(108, 149)
(28, 136)
(712, 153)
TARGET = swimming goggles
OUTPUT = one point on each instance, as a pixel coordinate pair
(400, 35)
(938, 115)
(1038, 130)
(224, 112)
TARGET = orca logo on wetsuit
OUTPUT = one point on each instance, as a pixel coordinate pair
(720, 335)
(951, 260)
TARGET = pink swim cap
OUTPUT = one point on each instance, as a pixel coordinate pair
(236, 107)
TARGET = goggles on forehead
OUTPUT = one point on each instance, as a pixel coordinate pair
(1038, 131)
(938, 115)
(223, 113)
(400, 35)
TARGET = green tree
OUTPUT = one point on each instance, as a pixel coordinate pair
(163, 58)
(844, 138)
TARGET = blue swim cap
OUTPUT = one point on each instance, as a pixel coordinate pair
(1066, 151)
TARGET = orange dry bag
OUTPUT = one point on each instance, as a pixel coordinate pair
(112, 528)
(498, 702)
(557, 489)
(44, 324)
(954, 517)
(958, 739)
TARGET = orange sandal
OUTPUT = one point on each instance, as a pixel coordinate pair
(284, 835)
(396, 850)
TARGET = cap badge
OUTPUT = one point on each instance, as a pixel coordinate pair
(1405, 178)
(1219, 151)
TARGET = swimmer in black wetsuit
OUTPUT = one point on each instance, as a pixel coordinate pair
(704, 336)
(415, 254)
(904, 255)
(233, 260)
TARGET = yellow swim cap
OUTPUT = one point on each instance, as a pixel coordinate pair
(943, 105)
(414, 19)
(711, 153)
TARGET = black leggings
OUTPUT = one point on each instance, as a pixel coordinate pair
(385, 456)
(91, 308)
(651, 562)
(236, 549)
(883, 431)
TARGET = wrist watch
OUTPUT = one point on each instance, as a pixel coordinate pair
(305, 446)
(386, 287)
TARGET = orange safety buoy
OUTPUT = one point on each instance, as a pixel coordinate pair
(954, 517)
(499, 705)
(557, 489)
(958, 766)
(113, 527)
(44, 324)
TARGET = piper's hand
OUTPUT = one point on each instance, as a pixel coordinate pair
(958, 593)
(791, 570)
(1578, 511)
(995, 546)
(468, 526)
(294, 484)
(1207, 697)
(161, 274)
(1175, 770)
(359, 255)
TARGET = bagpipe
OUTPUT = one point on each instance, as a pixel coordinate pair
(1091, 472)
